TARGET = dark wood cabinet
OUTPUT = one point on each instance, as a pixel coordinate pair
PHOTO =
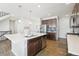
(51, 28)
(76, 8)
(43, 39)
(35, 45)
(31, 48)
(51, 36)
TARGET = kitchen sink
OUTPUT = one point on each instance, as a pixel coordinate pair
(30, 35)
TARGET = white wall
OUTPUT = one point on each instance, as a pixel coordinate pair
(20, 13)
(4, 25)
(64, 26)
(35, 26)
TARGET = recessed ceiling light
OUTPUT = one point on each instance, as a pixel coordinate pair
(19, 21)
(38, 6)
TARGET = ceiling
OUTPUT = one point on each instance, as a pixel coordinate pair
(40, 10)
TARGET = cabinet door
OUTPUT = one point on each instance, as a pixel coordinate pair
(43, 43)
(43, 39)
(31, 49)
(39, 44)
(51, 36)
(34, 45)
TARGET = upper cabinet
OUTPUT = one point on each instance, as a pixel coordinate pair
(50, 24)
(74, 21)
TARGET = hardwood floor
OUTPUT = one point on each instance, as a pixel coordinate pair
(5, 48)
(54, 48)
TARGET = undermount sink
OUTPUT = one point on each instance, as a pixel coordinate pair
(30, 35)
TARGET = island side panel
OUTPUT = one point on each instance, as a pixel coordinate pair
(18, 49)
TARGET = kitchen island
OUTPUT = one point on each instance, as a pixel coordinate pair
(20, 43)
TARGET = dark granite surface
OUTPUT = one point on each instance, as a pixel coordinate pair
(72, 33)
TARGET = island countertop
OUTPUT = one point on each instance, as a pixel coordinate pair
(19, 37)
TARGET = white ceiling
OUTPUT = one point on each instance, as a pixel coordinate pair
(45, 10)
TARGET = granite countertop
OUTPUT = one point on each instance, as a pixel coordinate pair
(73, 33)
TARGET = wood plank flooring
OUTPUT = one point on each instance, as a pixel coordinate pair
(54, 48)
(5, 48)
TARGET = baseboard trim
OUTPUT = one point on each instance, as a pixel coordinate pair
(62, 38)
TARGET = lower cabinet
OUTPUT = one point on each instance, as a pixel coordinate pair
(51, 36)
(31, 49)
(43, 39)
(35, 45)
